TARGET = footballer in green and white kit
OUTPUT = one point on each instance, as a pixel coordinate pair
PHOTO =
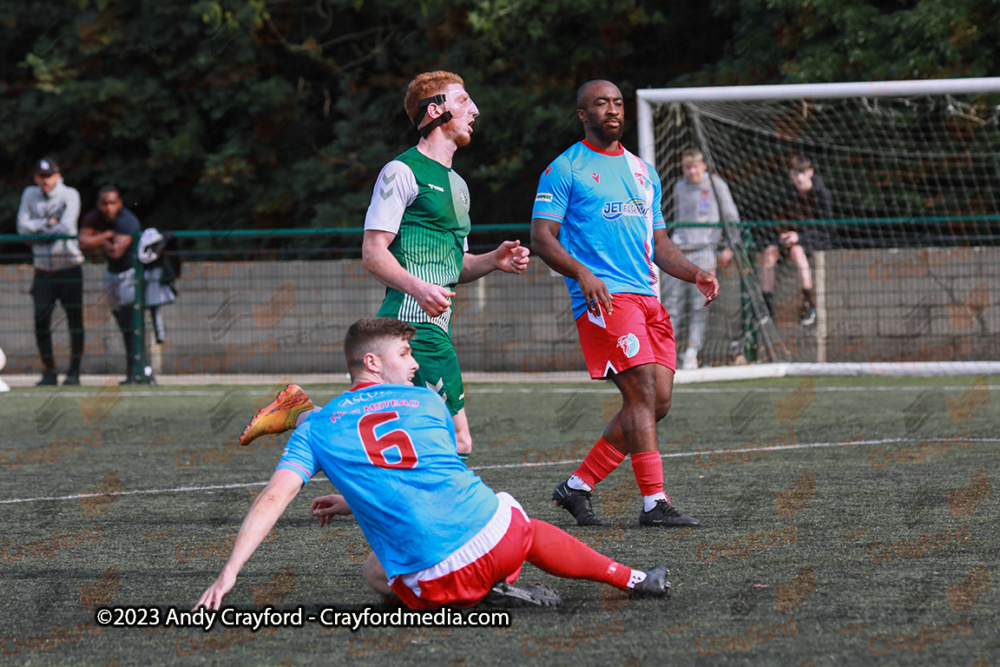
(426, 205)
(416, 233)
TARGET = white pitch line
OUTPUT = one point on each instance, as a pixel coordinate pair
(705, 452)
(680, 389)
(811, 445)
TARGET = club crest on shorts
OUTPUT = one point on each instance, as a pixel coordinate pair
(629, 344)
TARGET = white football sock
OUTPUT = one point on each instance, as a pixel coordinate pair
(578, 484)
(637, 577)
(649, 502)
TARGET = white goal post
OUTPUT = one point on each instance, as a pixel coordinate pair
(915, 168)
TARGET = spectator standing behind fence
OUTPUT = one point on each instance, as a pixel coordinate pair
(807, 198)
(108, 231)
(703, 198)
(51, 208)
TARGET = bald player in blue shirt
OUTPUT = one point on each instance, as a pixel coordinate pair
(597, 221)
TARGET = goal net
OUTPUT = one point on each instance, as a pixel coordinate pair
(901, 251)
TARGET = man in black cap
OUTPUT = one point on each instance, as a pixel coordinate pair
(51, 208)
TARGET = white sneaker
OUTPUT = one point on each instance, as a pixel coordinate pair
(690, 359)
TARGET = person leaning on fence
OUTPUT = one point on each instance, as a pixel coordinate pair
(107, 232)
(807, 198)
(701, 198)
(51, 208)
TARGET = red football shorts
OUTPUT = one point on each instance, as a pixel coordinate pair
(465, 577)
(638, 331)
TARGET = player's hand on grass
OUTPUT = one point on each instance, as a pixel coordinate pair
(708, 285)
(432, 299)
(212, 598)
(595, 292)
(325, 508)
(511, 257)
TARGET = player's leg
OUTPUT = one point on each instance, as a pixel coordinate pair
(610, 346)
(439, 371)
(769, 259)
(71, 297)
(554, 551)
(124, 316)
(808, 314)
(647, 465)
(289, 408)
(463, 436)
(698, 325)
(377, 578)
(44, 295)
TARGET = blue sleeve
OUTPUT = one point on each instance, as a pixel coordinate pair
(554, 189)
(298, 455)
(658, 222)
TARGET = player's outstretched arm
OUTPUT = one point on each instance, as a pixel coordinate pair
(545, 241)
(382, 264)
(510, 257)
(325, 508)
(668, 257)
(264, 513)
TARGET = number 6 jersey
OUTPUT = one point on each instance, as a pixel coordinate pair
(390, 450)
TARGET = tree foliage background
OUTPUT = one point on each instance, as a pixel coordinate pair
(226, 114)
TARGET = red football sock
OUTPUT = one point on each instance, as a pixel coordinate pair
(600, 462)
(648, 469)
(559, 553)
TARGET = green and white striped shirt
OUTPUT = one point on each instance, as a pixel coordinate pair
(426, 205)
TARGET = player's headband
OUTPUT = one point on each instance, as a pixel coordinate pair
(422, 111)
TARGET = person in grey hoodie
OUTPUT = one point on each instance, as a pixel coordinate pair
(702, 198)
(51, 208)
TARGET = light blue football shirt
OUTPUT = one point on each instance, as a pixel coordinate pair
(390, 450)
(608, 206)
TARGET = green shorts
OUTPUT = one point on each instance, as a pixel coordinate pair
(434, 351)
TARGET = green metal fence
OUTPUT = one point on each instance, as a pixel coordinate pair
(280, 301)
